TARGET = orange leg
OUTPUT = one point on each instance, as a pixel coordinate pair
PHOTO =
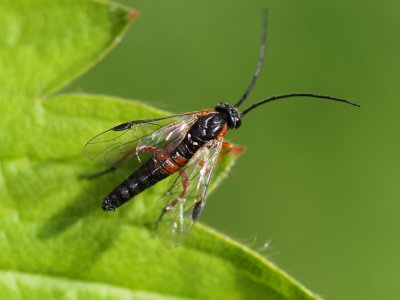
(185, 182)
(185, 185)
(229, 148)
(144, 148)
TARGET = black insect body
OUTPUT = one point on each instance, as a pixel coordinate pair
(186, 146)
(208, 127)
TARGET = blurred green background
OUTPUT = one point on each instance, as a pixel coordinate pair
(319, 180)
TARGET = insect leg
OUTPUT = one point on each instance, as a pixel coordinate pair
(145, 148)
(171, 205)
(198, 208)
(230, 149)
(185, 185)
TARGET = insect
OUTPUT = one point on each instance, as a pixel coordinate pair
(184, 146)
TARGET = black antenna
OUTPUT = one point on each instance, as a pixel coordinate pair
(260, 61)
(273, 98)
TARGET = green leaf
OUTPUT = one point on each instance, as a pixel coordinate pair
(55, 241)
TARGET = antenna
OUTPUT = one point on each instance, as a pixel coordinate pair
(273, 98)
(260, 61)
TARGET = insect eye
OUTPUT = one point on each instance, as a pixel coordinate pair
(238, 123)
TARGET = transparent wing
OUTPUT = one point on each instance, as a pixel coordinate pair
(128, 144)
(184, 201)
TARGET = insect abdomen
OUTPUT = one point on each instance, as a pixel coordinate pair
(164, 163)
(146, 176)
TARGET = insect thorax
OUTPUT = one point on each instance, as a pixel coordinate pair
(208, 127)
